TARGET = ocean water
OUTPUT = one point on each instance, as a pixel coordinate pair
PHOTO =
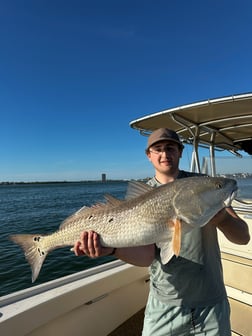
(244, 188)
(40, 208)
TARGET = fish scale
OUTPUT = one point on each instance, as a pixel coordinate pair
(147, 216)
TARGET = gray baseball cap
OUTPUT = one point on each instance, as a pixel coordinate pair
(162, 134)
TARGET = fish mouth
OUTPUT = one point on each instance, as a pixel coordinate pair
(230, 198)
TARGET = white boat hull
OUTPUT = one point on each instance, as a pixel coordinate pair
(92, 302)
(237, 269)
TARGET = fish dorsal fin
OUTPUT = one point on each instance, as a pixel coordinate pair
(74, 215)
(136, 189)
(84, 208)
(112, 200)
(98, 205)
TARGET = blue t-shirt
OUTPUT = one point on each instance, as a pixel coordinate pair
(194, 278)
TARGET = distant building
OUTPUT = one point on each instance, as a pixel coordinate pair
(103, 177)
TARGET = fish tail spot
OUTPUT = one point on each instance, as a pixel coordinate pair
(36, 239)
(34, 253)
(41, 253)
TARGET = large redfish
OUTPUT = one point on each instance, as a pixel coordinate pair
(160, 215)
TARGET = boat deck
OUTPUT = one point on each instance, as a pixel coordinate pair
(132, 327)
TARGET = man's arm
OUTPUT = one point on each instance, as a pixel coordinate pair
(89, 244)
(233, 227)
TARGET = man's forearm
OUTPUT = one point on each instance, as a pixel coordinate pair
(138, 256)
(233, 227)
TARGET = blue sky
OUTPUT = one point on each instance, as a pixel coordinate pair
(73, 74)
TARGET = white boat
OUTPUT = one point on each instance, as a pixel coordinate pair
(110, 299)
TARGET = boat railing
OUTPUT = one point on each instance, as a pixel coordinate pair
(243, 206)
(45, 287)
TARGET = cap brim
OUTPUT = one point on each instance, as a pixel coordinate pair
(165, 139)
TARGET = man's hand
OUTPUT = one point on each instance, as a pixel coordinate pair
(89, 244)
(220, 217)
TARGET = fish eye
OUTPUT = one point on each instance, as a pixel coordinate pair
(218, 185)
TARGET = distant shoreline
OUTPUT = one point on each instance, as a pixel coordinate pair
(60, 182)
(65, 182)
(237, 175)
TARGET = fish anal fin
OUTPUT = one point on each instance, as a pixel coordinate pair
(166, 251)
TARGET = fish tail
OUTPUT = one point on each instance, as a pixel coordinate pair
(33, 249)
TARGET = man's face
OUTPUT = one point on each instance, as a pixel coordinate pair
(165, 155)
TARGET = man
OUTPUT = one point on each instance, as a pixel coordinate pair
(187, 295)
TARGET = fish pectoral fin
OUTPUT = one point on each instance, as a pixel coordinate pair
(166, 251)
(176, 238)
(171, 247)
